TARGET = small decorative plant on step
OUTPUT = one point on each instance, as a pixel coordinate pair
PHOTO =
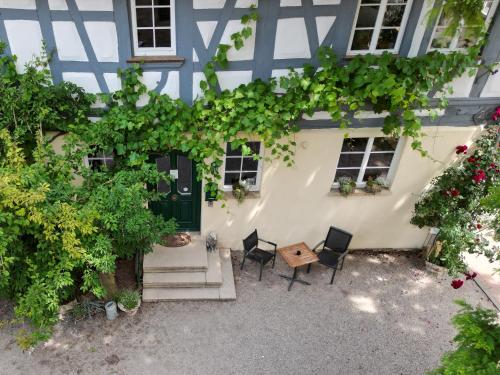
(129, 301)
(376, 185)
(240, 190)
(346, 185)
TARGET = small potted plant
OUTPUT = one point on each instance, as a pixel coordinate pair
(432, 258)
(240, 190)
(129, 301)
(346, 185)
(375, 186)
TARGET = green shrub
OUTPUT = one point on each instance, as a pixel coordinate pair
(478, 344)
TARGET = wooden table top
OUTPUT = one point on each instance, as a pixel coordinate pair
(289, 254)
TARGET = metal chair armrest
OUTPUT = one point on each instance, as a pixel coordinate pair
(269, 242)
(318, 245)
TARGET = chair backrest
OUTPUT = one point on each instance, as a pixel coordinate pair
(251, 241)
(337, 240)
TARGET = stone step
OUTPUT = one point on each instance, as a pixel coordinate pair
(211, 278)
(189, 258)
(225, 292)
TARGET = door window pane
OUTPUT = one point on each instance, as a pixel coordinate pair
(163, 165)
(185, 178)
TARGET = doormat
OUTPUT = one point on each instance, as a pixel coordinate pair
(176, 240)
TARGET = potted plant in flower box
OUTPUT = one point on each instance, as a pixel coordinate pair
(129, 301)
(346, 185)
(240, 190)
(375, 186)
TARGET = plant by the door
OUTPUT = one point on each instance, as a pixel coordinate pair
(129, 301)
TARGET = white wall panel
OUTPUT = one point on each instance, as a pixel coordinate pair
(25, 40)
(245, 53)
(69, 45)
(85, 80)
(291, 39)
(104, 40)
(104, 5)
(18, 4)
(231, 80)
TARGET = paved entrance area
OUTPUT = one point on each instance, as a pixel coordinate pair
(383, 315)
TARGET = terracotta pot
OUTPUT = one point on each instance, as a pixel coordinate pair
(131, 312)
(373, 188)
(435, 269)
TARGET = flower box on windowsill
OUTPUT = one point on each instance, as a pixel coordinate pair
(228, 195)
(334, 191)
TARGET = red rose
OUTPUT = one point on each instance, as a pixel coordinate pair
(454, 192)
(457, 283)
(469, 275)
(478, 226)
(492, 166)
(479, 175)
(471, 159)
(462, 149)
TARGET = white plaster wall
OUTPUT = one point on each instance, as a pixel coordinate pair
(208, 4)
(247, 51)
(323, 26)
(290, 3)
(18, 4)
(461, 86)
(291, 39)
(69, 45)
(25, 40)
(151, 80)
(326, 2)
(420, 29)
(278, 73)
(229, 80)
(295, 204)
(197, 78)
(104, 40)
(172, 85)
(113, 81)
(246, 3)
(85, 80)
(492, 87)
(206, 29)
(58, 5)
(103, 5)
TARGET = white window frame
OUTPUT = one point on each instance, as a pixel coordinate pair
(153, 51)
(100, 156)
(258, 179)
(366, 156)
(454, 42)
(378, 27)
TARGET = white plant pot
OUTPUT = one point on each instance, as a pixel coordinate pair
(435, 269)
(129, 312)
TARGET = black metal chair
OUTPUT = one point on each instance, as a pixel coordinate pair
(252, 251)
(334, 250)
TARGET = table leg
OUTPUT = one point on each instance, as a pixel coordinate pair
(294, 278)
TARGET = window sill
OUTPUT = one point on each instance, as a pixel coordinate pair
(158, 61)
(359, 192)
(250, 195)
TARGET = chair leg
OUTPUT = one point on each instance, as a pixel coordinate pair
(274, 260)
(243, 262)
(342, 264)
(308, 267)
(333, 275)
(261, 267)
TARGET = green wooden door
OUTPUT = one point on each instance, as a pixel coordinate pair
(183, 193)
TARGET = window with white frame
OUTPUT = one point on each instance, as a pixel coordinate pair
(99, 160)
(240, 166)
(364, 158)
(464, 37)
(379, 26)
(153, 26)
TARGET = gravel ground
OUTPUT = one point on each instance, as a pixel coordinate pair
(383, 315)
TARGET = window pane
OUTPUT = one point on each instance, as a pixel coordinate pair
(354, 144)
(374, 173)
(393, 15)
(162, 2)
(163, 38)
(367, 16)
(250, 177)
(144, 17)
(254, 146)
(231, 178)
(387, 38)
(466, 37)
(361, 40)
(233, 151)
(163, 165)
(250, 164)
(233, 164)
(350, 160)
(185, 180)
(384, 144)
(440, 39)
(353, 173)
(142, 2)
(145, 38)
(162, 17)
(380, 160)
(370, 1)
